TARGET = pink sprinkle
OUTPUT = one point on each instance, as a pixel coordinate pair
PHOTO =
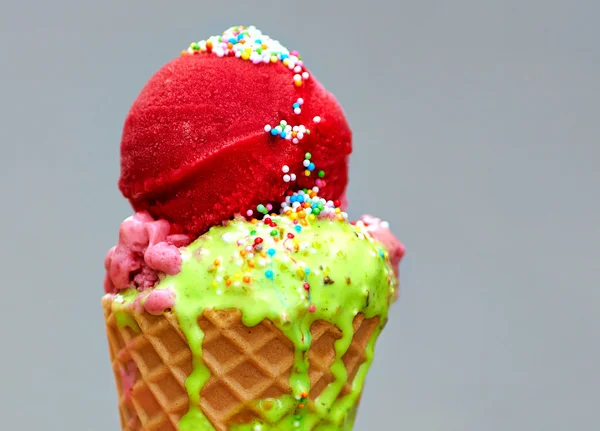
(249, 213)
(312, 308)
(269, 207)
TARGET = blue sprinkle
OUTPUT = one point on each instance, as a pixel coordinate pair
(381, 254)
(274, 132)
(233, 40)
(282, 134)
(293, 199)
(307, 271)
(258, 41)
(240, 36)
(269, 273)
(298, 228)
(283, 56)
(311, 167)
(296, 105)
(271, 252)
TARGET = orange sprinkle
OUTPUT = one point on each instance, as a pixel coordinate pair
(264, 46)
(209, 44)
(304, 394)
(243, 41)
(298, 83)
(302, 214)
(228, 282)
(217, 262)
(306, 205)
(296, 247)
(251, 264)
(229, 45)
(246, 279)
(301, 405)
(293, 133)
(243, 253)
(184, 52)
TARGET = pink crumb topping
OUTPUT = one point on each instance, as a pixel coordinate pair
(146, 249)
(380, 230)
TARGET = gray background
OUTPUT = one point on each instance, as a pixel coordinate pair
(476, 136)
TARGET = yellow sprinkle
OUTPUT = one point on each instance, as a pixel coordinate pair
(337, 210)
(286, 61)
(298, 83)
(245, 56)
(307, 173)
(274, 59)
(312, 217)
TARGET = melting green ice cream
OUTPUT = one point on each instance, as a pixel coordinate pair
(293, 272)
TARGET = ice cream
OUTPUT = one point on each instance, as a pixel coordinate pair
(239, 296)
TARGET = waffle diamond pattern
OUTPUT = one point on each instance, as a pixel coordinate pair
(247, 364)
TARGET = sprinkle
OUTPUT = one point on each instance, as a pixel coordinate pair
(271, 252)
(258, 240)
(306, 162)
(249, 213)
(321, 174)
(269, 273)
(311, 167)
(298, 228)
(297, 111)
(301, 101)
(312, 308)
(286, 178)
(267, 128)
(274, 132)
(274, 232)
(306, 286)
(317, 119)
(269, 207)
(293, 177)
(305, 75)
(285, 169)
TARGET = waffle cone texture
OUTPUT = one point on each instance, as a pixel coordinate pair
(151, 361)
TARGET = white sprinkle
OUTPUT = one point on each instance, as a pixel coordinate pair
(295, 140)
(291, 65)
(293, 177)
(283, 123)
(285, 169)
(305, 163)
(268, 128)
(385, 225)
(297, 111)
(317, 119)
(315, 189)
(305, 75)
(300, 101)
(286, 178)
(300, 135)
(218, 292)
(288, 128)
(295, 205)
(227, 237)
(297, 77)
(295, 128)
(279, 129)
(297, 69)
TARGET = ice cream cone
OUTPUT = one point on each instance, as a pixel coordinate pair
(249, 368)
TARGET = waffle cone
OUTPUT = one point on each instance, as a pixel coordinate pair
(151, 361)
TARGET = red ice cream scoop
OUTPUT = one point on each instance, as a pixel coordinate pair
(204, 139)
